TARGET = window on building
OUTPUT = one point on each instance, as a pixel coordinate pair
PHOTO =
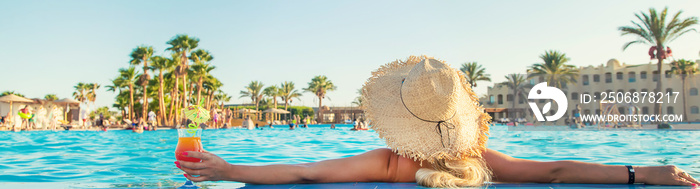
(643, 75)
(645, 110)
(655, 76)
(597, 95)
(620, 91)
(492, 99)
(596, 78)
(631, 77)
(668, 74)
(541, 79)
(597, 112)
(669, 91)
(669, 110)
(509, 98)
(521, 100)
(693, 91)
(618, 75)
(574, 96)
(645, 90)
(584, 79)
(500, 99)
(694, 110)
(586, 111)
(608, 77)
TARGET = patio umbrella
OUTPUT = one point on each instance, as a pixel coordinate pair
(14, 98)
(246, 111)
(66, 101)
(276, 111)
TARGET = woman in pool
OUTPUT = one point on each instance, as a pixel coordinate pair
(436, 132)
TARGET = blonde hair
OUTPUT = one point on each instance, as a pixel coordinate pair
(454, 173)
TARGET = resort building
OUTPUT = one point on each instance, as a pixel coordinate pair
(340, 114)
(613, 76)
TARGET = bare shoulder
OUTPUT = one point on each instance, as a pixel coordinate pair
(403, 169)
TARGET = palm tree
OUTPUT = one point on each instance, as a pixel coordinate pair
(320, 85)
(50, 97)
(182, 45)
(272, 92)
(201, 68)
(474, 72)
(287, 93)
(516, 83)
(211, 85)
(554, 69)
(221, 97)
(162, 64)
(79, 93)
(358, 99)
(121, 102)
(141, 55)
(127, 77)
(652, 29)
(92, 94)
(11, 92)
(684, 68)
(253, 90)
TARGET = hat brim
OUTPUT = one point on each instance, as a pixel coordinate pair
(413, 138)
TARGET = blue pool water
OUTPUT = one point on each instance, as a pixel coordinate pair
(87, 159)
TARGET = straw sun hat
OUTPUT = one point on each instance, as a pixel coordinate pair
(425, 110)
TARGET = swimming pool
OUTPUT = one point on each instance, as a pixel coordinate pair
(126, 159)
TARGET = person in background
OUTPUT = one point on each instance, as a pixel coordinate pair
(224, 118)
(8, 120)
(24, 110)
(100, 121)
(215, 118)
(152, 118)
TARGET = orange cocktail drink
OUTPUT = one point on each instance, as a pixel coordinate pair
(189, 140)
(188, 144)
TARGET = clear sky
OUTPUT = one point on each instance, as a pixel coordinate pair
(49, 46)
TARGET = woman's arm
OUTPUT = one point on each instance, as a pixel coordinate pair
(509, 169)
(379, 165)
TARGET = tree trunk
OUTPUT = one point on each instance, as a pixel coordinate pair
(275, 100)
(208, 104)
(184, 79)
(257, 101)
(145, 91)
(161, 101)
(286, 103)
(199, 89)
(173, 101)
(131, 101)
(320, 111)
(659, 66)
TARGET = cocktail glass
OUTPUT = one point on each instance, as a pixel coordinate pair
(188, 140)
